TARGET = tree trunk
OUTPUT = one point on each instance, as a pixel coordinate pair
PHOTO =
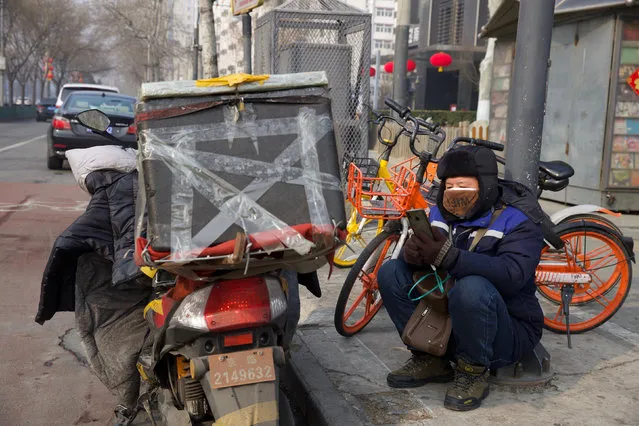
(208, 40)
(11, 83)
(486, 71)
(34, 97)
(23, 89)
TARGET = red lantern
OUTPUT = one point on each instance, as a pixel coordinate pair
(50, 60)
(441, 60)
(388, 67)
(410, 65)
(372, 72)
(50, 75)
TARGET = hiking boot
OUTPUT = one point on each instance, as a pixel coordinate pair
(419, 370)
(469, 389)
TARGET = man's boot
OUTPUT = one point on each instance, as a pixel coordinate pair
(469, 389)
(419, 370)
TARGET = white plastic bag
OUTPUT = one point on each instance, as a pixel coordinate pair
(106, 157)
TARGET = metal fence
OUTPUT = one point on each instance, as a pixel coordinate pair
(323, 35)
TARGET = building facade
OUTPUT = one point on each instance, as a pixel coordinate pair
(453, 27)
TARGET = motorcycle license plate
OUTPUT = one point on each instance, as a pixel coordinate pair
(242, 368)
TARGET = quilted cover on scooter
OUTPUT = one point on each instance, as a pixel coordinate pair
(106, 228)
(259, 159)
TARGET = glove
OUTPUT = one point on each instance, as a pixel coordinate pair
(421, 249)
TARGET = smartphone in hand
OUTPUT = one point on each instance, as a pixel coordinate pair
(419, 221)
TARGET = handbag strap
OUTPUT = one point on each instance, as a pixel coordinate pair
(481, 232)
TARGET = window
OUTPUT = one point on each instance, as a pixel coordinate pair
(384, 28)
(451, 22)
(107, 104)
(385, 12)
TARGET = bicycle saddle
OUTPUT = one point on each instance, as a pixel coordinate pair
(557, 170)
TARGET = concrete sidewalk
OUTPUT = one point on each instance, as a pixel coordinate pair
(596, 382)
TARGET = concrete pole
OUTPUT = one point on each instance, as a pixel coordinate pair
(400, 91)
(378, 70)
(196, 48)
(246, 38)
(527, 101)
(2, 58)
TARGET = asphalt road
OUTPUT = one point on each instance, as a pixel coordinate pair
(43, 384)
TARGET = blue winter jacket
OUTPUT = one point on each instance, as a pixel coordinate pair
(507, 256)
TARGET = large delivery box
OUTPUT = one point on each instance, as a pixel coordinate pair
(234, 172)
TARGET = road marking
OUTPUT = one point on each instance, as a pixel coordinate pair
(70, 206)
(19, 144)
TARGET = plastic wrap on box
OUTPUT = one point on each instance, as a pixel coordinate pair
(258, 159)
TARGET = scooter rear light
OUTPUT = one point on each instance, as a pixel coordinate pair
(238, 304)
(232, 305)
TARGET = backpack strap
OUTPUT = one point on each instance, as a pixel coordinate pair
(481, 232)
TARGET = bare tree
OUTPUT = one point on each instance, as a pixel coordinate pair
(209, 41)
(26, 31)
(65, 33)
(142, 27)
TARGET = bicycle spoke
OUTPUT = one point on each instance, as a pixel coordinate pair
(348, 314)
(596, 298)
(603, 258)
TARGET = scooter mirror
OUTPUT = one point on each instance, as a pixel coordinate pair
(94, 119)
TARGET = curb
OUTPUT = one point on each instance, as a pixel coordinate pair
(312, 390)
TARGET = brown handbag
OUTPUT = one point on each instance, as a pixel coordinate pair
(430, 326)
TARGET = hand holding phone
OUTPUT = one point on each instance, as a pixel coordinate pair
(419, 221)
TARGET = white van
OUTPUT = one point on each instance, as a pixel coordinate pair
(72, 87)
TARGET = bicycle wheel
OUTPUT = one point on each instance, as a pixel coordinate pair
(356, 306)
(594, 218)
(359, 234)
(596, 264)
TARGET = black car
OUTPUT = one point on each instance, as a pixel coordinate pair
(67, 133)
(45, 109)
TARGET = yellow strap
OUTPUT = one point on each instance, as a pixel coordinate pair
(155, 306)
(232, 80)
(148, 271)
(252, 415)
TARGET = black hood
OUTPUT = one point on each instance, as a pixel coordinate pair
(469, 160)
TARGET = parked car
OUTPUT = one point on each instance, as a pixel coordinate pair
(45, 109)
(67, 133)
(67, 89)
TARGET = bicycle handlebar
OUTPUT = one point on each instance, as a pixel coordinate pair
(480, 142)
(401, 110)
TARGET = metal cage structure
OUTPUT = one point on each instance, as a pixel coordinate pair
(323, 35)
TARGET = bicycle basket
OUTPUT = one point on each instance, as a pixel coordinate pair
(368, 166)
(429, 179)
(371, 201)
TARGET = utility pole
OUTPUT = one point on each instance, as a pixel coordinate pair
(196, 48)
(527, 101)
(378, 62)
(246, 38)
(400, 94)
(2, 57)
